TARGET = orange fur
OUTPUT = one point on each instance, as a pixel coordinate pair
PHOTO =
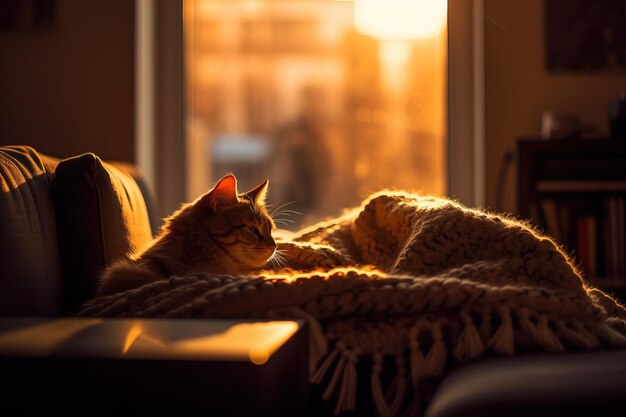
(221, 232)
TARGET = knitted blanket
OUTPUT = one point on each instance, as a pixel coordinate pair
(408, 284)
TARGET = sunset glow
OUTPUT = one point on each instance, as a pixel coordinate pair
(331, 100)
(400, 19)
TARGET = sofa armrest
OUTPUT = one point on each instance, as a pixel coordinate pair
(571, 384)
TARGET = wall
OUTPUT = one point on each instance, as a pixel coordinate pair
(70, 89)
(518, 88)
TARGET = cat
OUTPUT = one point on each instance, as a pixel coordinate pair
(222, 232)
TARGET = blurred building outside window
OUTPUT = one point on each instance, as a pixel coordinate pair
(331, 100)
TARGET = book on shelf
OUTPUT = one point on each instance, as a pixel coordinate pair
(593, 229)
(614, 237)
(586, 245)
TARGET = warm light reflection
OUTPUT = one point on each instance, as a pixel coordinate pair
(256, 341)
(46, 338)
(400, 19)
(139, 338)
(131, 337)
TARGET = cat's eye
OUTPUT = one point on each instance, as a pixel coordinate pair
(256, 232)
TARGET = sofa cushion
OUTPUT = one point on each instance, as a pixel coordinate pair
(30, 268)
(101, 215)
(564, 384)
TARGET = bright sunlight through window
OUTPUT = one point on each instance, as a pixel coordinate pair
(331, 100)
(400, 19)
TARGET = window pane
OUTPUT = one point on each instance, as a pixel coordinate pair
(314, 95)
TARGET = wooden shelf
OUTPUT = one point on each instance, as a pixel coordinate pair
(579, 186)
(575, 191)
(610, 283)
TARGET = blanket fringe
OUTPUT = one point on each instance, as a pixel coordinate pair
(334, 380)
(344, 375)
(573, 336)
(503, 341)
(546, 336)
(580, 327)
(318, 344)
(469, 345)
(396, 393)
(382, 407)
(318, 376)
(416, 358)
(607, 334)
(347, 392)
(436, 357)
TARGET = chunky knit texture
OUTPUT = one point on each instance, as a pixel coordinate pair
(420, 280)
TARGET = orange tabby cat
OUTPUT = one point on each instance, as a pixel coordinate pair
(221, 232)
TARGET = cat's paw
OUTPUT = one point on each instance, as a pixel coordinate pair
(301, 256)
(330, 258)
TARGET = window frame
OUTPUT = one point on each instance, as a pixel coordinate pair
(160, 101)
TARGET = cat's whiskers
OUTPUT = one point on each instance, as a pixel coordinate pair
(277, 209)
(287, 211)
(284, 222)
(278, 217)
(272, 263)
(280, 214)
(277, 260)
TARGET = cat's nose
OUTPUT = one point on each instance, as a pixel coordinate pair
(272, 243)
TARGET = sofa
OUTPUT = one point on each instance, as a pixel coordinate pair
(63, 221)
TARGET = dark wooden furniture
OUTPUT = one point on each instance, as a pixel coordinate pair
(575, 191)
(153, 367)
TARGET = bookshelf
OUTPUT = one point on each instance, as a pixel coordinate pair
(575, 191)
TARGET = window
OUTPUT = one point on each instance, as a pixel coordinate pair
(327, 102)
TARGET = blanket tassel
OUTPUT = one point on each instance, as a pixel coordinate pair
(416, 358)
(573, 336)
(347, 392)
(436, 357)
(318, 345)
(397, 390)
(546, 336)
(580, 328)
(323, 368)
(377, 390)
(334, 380)
(609, 335)
(469, 345)
(502, 341)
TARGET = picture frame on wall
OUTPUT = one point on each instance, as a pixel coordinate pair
(585, 35)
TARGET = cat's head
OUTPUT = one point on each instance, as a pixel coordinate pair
(236, 225)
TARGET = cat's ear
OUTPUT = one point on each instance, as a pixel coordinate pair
(259, 193)
(223, 194)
